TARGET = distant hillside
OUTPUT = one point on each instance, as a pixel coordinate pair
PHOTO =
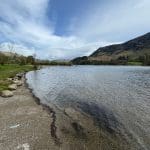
(133, 51)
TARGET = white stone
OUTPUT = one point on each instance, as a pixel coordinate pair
(14, 126)
(18, 83)
(12, 87)
(24, 146)
(9, 79)
(7, 93)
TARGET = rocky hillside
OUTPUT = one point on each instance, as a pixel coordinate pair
(136, 50)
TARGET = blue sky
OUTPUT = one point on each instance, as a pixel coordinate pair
(64, 29)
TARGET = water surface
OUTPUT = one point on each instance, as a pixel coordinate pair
(116, 97)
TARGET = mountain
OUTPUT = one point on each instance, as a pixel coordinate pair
(136, 50)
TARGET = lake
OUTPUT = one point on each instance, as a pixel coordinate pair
(116, 99)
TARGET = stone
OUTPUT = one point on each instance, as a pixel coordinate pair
(72, 113)
(18, 83)
(12, 87)
(19, 75)
(7, 93)
(9, 79)
(15, 78)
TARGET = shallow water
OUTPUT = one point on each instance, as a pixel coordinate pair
(116, 97)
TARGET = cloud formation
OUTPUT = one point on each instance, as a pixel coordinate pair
(28, 26)
(116, 20)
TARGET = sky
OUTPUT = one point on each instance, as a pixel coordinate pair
(65, 29)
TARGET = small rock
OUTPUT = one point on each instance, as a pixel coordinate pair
(7, 93)
(14, 126)
(24, 146)
(72, 113)
(15, 78)
(19, 75)
(12, 87)
(9, 79)
(18, 83)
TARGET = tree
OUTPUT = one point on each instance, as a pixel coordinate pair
(34, 61)
(30, 60)
(11, 49)
(3, 59)
(22, 60)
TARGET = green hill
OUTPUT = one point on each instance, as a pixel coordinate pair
(136, 51)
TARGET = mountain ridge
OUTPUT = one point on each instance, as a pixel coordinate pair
(135, 50)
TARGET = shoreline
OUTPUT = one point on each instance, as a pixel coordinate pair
(72, 129)
(48, 109)
(72, 123)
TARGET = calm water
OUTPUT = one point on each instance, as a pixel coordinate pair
(110, 94)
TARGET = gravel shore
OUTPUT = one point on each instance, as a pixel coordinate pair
(24, 125)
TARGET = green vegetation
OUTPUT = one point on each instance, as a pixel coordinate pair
(12, 63)
(13, 58)
(53, 63)
(10, 70)
(139, 60)
(135, 63)
(133, 52)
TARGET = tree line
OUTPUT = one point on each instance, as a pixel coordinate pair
(14, 58)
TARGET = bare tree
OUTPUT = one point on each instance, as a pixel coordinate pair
(11, 47)
(34, 61)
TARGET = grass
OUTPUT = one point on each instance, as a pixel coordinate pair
(9, 71)
(135, 63)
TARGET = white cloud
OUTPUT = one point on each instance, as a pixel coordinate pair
(119, 21)
(26, 24)
(16, 48)
(23, 23)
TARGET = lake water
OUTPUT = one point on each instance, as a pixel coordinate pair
(116, 97)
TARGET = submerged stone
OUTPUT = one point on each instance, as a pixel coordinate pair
(102, 116)
(79, 130)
